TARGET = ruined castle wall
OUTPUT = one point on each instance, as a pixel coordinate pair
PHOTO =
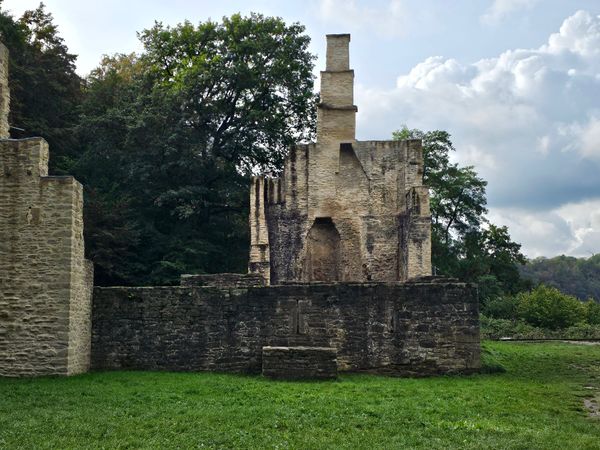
(411, 328)
(4, 93)
(45, 284)
(342, 202)
(287, 215)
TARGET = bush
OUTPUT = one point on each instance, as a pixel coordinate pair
(547, 307)
(592, 312)
(517, 329)
(504, 328)
(501, 308)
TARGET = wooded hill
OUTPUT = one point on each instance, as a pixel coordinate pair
(579, 277)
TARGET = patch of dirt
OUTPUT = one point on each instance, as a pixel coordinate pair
(582, 342)
(592, 406)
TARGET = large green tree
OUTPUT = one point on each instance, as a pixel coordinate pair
(464, 243)
(45, 89)
(172, 135)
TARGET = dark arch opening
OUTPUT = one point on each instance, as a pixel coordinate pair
(323, 251)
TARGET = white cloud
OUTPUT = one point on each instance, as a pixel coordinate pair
(500, 9)
(590, 139)
(528, 119)
(579, 34)
(389, 20)
(572, 229)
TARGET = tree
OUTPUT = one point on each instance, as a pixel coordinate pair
(243, 86)
(547, 307)
(176, 131)
(464, 243)
(45, 90)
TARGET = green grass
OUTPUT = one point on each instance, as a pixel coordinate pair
(536, 403)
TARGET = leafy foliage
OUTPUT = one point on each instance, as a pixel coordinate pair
(171, 135)
(544, 308)
(45, 90)
(244, 86)
(547, 307)
(494, 328)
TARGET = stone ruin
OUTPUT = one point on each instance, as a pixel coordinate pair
(339, 271)
(344, 210)
(45, 281)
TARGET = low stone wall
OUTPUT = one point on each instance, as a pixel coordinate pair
(398, 328)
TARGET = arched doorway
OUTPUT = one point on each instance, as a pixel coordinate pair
(323, 251)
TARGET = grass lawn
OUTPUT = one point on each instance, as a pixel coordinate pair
(536, 403)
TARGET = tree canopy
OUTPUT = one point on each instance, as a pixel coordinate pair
(464, 243)
(45, 89)
(170, 137)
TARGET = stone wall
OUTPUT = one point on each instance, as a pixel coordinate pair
(4, 93)
(45, 282)
(416, 328)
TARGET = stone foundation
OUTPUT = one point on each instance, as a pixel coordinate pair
(298, 363)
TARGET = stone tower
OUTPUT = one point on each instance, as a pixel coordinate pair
(4, 93)
(45, 282)
(344, 210)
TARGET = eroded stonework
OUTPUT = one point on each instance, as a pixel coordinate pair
(45, 282)
(344, 210)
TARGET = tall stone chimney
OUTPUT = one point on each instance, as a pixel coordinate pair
(4, 93)
(337, 113)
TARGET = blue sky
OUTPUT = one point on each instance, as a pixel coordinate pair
(516, 82)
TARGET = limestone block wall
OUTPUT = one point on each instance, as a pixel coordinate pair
(373, 200)
(338, 55)
(45, 282)
(4, 93)
(418, 328)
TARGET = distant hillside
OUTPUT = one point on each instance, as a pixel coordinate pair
(575, 276)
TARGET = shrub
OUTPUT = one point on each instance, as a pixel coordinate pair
(504, 328)
(592, 312)
(501, 308)
(547, 307)
(517, 329)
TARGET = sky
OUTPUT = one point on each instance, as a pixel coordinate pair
(516, 83)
